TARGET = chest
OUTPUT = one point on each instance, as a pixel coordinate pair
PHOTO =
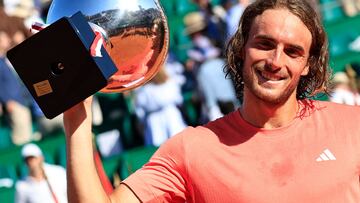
(38, 192)
(285, 170)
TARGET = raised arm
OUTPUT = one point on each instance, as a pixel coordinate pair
(83, 181)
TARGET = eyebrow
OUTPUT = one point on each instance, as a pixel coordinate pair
(269, 38)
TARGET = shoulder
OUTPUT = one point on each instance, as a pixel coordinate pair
(226, 124)
(207, 131)
(22, 185)
(330, 112)
(54, 169)
(188, 135)
(182, 144)
(209, 134)
(335, 108)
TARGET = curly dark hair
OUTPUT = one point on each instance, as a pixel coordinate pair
(317, 80)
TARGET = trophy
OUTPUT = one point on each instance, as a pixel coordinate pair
(89, 46)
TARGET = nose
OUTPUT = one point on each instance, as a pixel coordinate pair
(276, 59)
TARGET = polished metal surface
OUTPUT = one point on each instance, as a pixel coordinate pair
(135, 31)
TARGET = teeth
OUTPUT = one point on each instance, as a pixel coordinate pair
(270, 76)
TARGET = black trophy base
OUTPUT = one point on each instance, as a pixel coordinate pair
(56, 66)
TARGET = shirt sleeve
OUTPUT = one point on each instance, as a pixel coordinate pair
(163, 178)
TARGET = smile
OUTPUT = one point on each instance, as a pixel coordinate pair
(270, 76)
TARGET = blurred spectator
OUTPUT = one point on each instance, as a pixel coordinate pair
(343, 93)
(351, 7)
(219, 93)
(234, 10)
(13, 88)
(175, 69)
(13, 26)
(214, 17)
(28, 10)
(14, 100)
(14, 97)
(207, 67)
(203, 47)
(156, 105)
(45, 183)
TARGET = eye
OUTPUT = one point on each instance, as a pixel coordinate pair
(265, 45)
(292, 52)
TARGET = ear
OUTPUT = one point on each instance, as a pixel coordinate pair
(306, 70)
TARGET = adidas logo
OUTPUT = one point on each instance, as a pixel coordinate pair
(326, 156)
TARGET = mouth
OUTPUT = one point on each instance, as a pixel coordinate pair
(270, 76)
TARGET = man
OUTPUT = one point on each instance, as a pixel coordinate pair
(45, 183)
(217, 92)
(13, 95)
(278, 147)
(344, 92)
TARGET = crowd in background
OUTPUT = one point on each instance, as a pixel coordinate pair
(184, 93)
(189, 92)
(18, 108)
(346, 89)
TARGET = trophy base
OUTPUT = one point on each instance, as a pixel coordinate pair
(57, 68)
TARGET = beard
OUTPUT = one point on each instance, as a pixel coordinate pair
(270, 96)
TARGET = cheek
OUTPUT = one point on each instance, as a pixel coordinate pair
(298, 67)
(251, 56)
(255, 54)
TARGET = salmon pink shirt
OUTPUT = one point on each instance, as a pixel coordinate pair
(314, 159)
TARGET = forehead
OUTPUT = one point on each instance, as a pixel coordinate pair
(283, 26)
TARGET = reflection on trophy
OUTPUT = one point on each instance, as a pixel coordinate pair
(132, 46)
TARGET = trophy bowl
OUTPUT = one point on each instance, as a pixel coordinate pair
(135, 34)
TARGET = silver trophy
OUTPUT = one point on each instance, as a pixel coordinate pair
(135, 34)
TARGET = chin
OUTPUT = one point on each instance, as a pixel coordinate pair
(274, 100)
(273, 97)
(270, 94)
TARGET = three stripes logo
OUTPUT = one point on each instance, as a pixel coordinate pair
(326, 155)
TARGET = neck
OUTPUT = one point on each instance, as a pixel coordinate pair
(37, 174)
(267, 115)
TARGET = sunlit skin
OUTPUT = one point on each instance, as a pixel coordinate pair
(275, 57)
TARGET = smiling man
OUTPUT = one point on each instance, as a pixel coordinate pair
(275, 57)
(279, 146)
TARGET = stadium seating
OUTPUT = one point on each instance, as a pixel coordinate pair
(134, 159)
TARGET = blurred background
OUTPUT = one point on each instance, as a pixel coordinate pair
(191, 89)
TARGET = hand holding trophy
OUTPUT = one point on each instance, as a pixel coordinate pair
(90, 46)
